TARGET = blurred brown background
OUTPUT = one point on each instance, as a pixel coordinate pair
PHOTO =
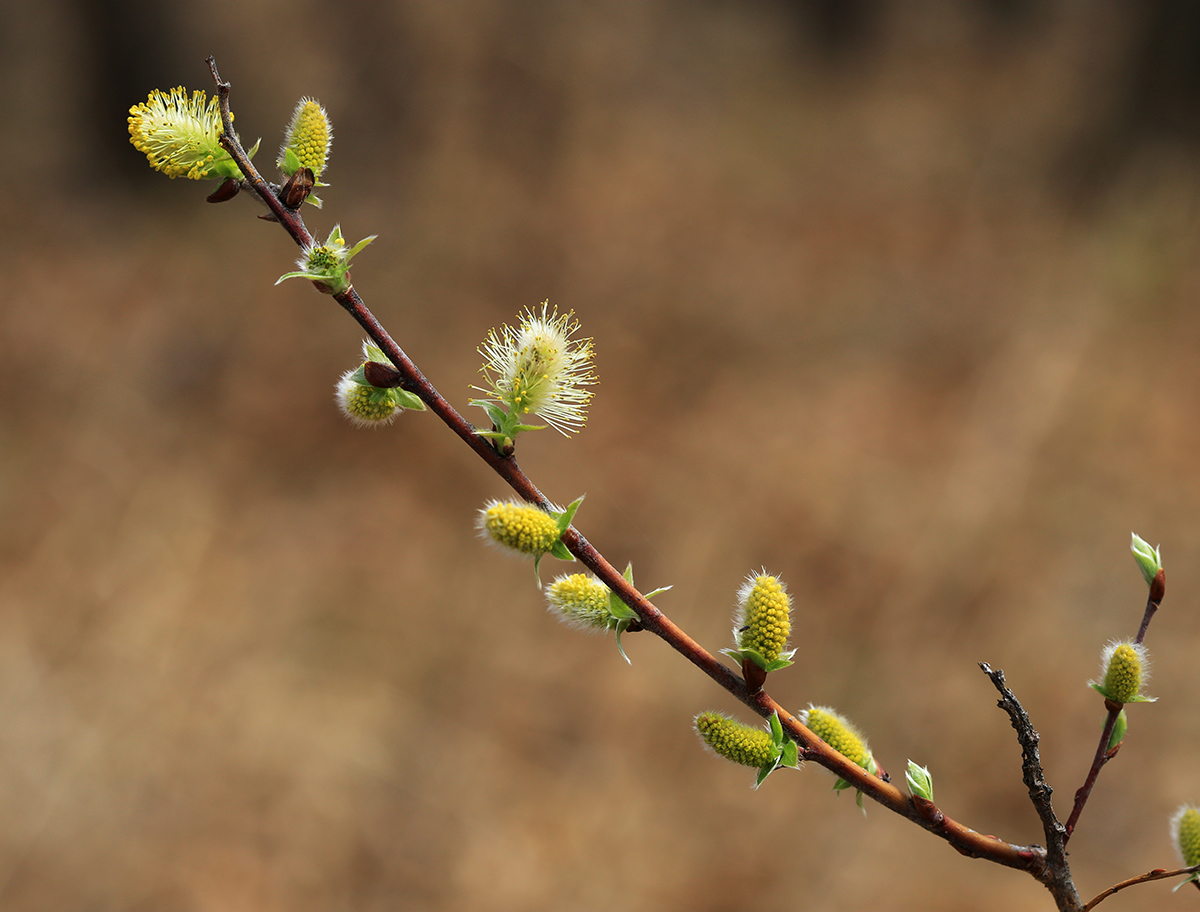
(895, 299)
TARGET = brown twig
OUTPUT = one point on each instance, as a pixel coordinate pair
(1103, 754)
(1057, 875)
(1148, 877)
(1031, 858)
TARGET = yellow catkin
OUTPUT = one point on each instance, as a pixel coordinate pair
(766, 616)
(309, 136)
(522, 527)
(1186, 827)
(839, 734)
(581, 600)
(1123, 677)
(735, 741)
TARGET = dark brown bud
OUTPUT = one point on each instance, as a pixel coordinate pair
(382, 376)
(297, 188)
(928, 810)
(226, 191)
(754, 675)
(1158, 588)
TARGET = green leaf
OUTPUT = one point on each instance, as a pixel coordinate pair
(407, 400)
(300, 275)
(790, 755)
(567, 516)
(1119, 728)
(357, 248)
(622, 626)
(776, 728)
(619, 609)
(497, 416)
(560, 551)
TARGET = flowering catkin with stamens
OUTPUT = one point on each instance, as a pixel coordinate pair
(581, 600)
(519, 527)
(538, 369)
(764, 616)
(1126, 666)
(180, 135)
(734, 740)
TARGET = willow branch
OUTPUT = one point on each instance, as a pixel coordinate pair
(1031, 859)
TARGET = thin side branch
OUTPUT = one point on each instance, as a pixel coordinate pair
(1148, 877)
(1102, 756)
(1103, 753)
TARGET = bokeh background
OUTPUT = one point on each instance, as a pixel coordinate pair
(897, 300)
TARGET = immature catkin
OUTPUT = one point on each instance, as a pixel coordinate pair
(764, 615)
(364, 404)
(519, 526)
(839, 734)
(734, 740)
(581, 600)
(1185, 832)
(309, 136)
(1123, 676)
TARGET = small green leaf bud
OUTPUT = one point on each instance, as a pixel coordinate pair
(520, 527)
(920, 782)
(836, 731)
(735, 741)
(1148, 559)
(1126, 667)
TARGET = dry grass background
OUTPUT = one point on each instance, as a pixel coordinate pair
(900, 305)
